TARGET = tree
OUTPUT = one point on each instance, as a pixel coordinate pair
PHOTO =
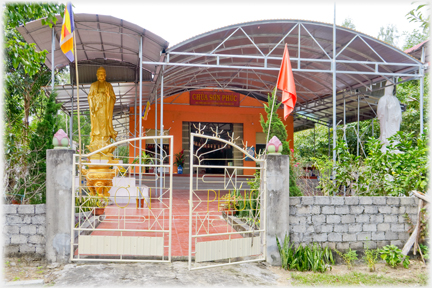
(416, 15)
(414, 38)
(278, 129)
(25, 70)
(25, 73)
(41, 140)
(348, 24)
(389, 34)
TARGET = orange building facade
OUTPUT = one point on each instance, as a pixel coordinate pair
(178, 112)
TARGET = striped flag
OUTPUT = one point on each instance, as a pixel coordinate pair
(66, 37)
(146, 111)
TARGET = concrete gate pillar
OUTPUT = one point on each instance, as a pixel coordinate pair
(58, 205)
(277, 208)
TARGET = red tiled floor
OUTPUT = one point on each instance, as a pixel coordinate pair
(157, 219)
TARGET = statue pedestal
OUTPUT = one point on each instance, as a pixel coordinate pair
(124, 187)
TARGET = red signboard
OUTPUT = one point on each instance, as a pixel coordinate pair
(213, 98)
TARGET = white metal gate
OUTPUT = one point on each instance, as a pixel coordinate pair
(133, 224)
(226, 214)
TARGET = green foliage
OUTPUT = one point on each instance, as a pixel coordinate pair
(424, 225)
(145, 158)
(348, 23)
(356, 279)
(370, 257)
(244, 205)
(414, 38)
(40, 141)
(277, 128)
(21, 54)
(425, 251)
(416, 15)
(379, 174)
(25, 73)
(86, 203)
(308, 258)
(122, 153)
(389, 34)
(349, 257)
(393, 256)
(180, 158)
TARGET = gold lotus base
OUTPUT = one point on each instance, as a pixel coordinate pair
(99, 178)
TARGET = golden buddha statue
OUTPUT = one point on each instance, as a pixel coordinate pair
(101, 100)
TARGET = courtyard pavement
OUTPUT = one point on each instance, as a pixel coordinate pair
(166, 275)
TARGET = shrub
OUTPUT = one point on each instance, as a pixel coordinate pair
(370, 257)
(309, 258)
(393, 256)
(349, 257)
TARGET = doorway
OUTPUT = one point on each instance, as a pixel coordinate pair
(214, 152)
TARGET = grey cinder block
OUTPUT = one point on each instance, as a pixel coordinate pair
(40, 209)
(370, 227)
(336, 237)
(393, 200)
(362, 218)
(10, 209)
(294, 201)
(18, 239)
(381, 200)
(383, 227)
(328, 209)
(354, 200)
(322, 200)
(26, 209)
(348, 219)
(365, 200)
(348, 237)
(340, 228)
(337, 200)
(28, 229)
(356, 209)
(378, 236)
(307, 200)
(321, 237)
(353, 228)
(370, 209)
(333, 219)
(407, 201)
(342, 210)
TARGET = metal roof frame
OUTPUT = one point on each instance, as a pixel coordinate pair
(332, 65)
(210, 61)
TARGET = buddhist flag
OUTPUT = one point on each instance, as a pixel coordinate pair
(146, 111)
(285, 83)
(66, 37)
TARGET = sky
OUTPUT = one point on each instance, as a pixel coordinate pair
(176, 21)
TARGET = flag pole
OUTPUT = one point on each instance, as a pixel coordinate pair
(271, 116)
(78, 116)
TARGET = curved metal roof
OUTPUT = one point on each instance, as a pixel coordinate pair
(102, 41)
(246, 58)
(98, 37)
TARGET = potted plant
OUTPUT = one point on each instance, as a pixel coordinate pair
(101, 204)
(179, 161)
(145, 159)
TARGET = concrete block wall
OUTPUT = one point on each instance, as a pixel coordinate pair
(350, 222)
(24, 230)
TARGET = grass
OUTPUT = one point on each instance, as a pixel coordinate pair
(353, 278)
